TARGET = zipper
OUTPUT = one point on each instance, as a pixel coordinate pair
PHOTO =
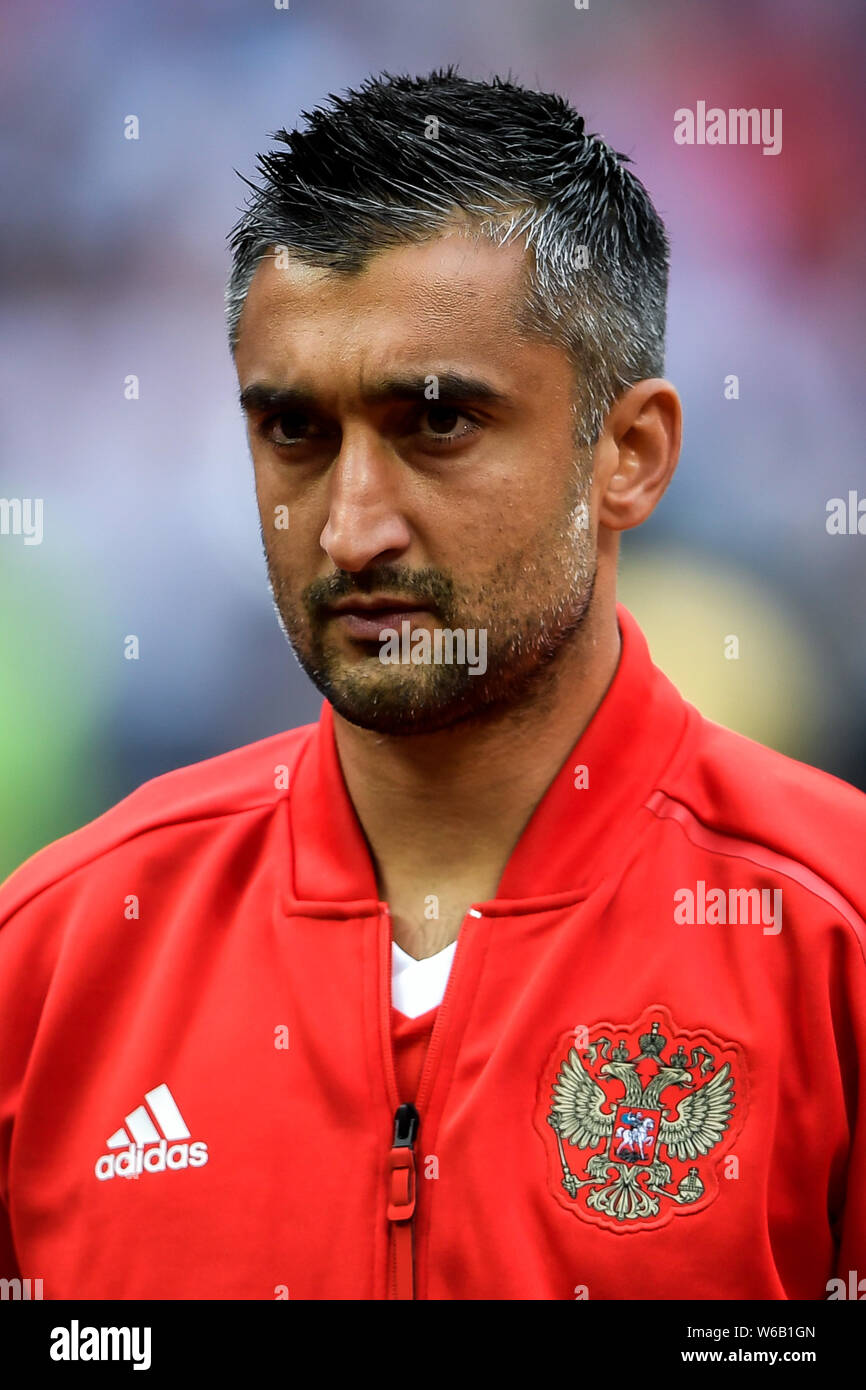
(401, 1201)
(402, 1176)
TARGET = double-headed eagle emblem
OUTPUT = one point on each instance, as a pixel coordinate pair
(643, 1119)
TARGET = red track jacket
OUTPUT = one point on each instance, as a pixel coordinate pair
(647, 1078)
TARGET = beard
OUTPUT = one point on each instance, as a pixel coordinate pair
(529, 608)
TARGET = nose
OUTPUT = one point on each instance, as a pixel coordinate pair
(365, 519)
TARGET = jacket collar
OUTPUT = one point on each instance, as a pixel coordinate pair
(567, 842)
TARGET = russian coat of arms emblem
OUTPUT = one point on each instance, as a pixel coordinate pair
(637, 1119)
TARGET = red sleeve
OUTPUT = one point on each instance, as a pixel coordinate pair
(8, 1261)
(29, 941)
(850, 1020)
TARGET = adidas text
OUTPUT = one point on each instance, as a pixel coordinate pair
(157, 1158)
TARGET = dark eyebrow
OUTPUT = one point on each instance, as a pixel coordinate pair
(262, 398)
(453, 387)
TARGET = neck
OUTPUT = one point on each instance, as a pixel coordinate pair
(442, 812)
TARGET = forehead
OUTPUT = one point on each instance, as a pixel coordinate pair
(451, 297)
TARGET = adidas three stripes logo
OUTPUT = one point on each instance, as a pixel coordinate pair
(164, 1109)
(153, 1139)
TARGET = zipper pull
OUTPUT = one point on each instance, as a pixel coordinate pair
(401, 1198)
(401, 1206)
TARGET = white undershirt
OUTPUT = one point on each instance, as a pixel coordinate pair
(419, 985)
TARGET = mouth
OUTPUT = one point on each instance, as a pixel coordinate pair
(366, 621)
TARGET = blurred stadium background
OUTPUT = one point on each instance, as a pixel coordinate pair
(114, 263)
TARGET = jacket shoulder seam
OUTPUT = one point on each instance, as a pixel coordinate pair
(158, 818)
(125, 839)
(666, 807)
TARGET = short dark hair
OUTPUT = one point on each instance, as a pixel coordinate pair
(396, 160)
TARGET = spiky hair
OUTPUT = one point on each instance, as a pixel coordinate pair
(397, 160)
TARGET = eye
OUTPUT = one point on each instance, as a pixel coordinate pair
(443, 424)
(288, 429)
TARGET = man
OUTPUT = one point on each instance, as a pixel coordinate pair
(512, 977)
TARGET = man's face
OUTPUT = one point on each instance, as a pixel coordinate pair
(472, 505)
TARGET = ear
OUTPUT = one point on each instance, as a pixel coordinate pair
(636, 453)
